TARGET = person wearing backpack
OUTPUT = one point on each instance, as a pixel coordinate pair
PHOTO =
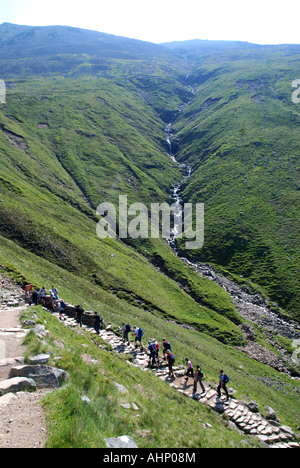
(189, 370)
(126, 329)
(198, 378)
(98, 321)
(224, 379)
(152, 351)
(171, 362)
(79, 311)
(157, 352)
(166, 347)
(138, 336)
(42, 296)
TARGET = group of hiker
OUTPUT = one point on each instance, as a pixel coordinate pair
(58, 305)
(97, 319)
(153, 349)
(54, 303)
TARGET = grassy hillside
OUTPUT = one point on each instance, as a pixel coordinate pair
(241, 135)
(66, 151)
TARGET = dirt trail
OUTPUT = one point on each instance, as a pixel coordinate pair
(22, 420)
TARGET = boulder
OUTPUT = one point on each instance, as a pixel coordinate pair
(85, 400)
(253, 407)
(44, 376)
(219, 408)
(29, 323)
(126, 405)
(6, 399)
(40, 331)
(17, 384)
(271, 415)
(120, 387)
(39, 359)
(121, 442)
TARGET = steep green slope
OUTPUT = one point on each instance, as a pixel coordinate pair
(68, 145)
(241, 135)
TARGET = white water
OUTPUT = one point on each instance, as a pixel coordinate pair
(176, 189)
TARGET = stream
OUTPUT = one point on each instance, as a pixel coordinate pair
(176, 189)
(251, 306)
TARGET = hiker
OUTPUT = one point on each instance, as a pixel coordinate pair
(79, 311)
(98, 321)
(171, 362)
(54, 293)
(198, 378)
(166, 347)
(126, 329)
(42, 296)
(190, 369)
(52, 302)
(157, 351)
(34, 298)
(138, 336)
(59, 306)
(152, 351)
(222, 384)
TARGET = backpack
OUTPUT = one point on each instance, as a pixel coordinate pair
(128, 328)
(141, 333)
(79, 310)
(226, 379)
(168, 345)
(172, 359)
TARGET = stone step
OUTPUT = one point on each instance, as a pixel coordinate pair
(17, 384)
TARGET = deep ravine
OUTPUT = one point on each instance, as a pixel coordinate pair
(251, 306)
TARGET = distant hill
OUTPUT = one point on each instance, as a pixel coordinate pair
(31, 41)
(200, 44)
(40, 50)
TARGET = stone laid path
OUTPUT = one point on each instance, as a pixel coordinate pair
(22, 423)
(237, 412)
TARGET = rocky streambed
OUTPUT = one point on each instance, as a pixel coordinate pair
(259, 316)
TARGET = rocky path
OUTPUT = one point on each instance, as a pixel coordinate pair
(241, 416)
(22, 421)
